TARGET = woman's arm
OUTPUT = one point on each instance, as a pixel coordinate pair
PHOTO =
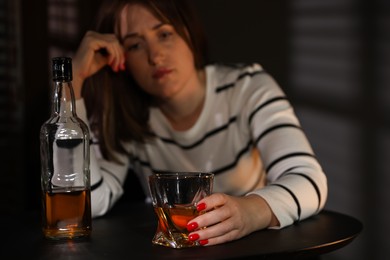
(107, 178)
(296, 185)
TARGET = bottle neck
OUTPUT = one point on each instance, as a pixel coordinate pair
(63, 99)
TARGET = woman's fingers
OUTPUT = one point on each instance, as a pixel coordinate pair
(221, 219)
(108, 47)
(98, 50)
(228, 218)
(219, 233)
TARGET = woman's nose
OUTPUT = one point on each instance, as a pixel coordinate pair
(156, 54)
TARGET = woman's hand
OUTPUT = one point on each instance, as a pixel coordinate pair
(229, 218)
(96, 50)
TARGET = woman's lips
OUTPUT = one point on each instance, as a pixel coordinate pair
(160, 73)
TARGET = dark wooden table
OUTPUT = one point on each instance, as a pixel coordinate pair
(127, 231)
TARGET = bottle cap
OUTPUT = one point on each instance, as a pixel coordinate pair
(62, 69)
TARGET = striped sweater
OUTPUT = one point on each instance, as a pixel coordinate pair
(247, 134)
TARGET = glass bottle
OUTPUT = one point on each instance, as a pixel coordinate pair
(65, 175)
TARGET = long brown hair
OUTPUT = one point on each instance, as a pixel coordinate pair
(118, 108)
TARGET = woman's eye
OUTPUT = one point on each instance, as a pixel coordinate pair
(165, 35)
(133, 47)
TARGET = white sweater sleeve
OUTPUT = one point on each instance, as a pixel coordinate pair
(296, 186)
(107, 178)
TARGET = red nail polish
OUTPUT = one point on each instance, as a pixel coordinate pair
(193, 237)
(201, 206)
(192, 226)
(203, 242)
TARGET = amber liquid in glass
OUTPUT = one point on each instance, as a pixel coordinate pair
(67, 214)
(172, 225)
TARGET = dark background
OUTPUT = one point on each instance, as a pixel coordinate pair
(331, 57)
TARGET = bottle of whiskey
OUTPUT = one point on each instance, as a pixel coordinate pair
(65, 175)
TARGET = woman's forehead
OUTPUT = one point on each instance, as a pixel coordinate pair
(133, 17)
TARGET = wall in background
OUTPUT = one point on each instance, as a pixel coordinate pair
(339, 67)
(248, 32)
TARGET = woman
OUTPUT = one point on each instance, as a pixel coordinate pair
(154, 105)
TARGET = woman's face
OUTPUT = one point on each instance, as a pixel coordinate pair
(158, 58)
